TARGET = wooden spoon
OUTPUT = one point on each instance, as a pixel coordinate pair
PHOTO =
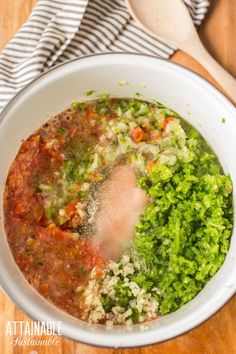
(169, 21)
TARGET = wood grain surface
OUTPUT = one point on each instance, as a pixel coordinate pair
(218, 334)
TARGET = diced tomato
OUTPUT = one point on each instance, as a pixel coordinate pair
(90, 114)
(35, 139)
(94, 176)
(59, 234)
(23, 262)
(16, 180)
(43, 234)
(75, 188)
(90, 254)
(71, 208)
(167, 121)
(113, 115)
(51, 233)
(138, 135)
(61, 140)
(74, 132)
(96, 130)
(44, 289)
(37, 211)
(30, 143)
(150, 165)
(21, 208)
(53, 153)
(110, 116)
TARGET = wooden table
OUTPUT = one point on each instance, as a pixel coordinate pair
(218, 334)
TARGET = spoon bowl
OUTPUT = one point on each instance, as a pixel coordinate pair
(169, 21)
(161, 20)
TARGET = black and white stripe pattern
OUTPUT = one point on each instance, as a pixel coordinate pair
(58, 30)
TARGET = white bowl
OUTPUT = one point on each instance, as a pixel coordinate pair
(180, 89)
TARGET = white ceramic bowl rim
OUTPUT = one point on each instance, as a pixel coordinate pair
(5, 109)
(96, 336)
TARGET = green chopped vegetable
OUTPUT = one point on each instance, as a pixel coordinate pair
(185, 231)
(104, 96)
(107, 302)
(90, 92)
(123, 294)
(75, 105)
(60, 131)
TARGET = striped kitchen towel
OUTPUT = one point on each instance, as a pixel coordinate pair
(58, 30)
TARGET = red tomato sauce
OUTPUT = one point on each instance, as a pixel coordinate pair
(52, 260)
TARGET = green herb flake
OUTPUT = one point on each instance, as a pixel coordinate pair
(82, 272)
(104, 96)
(90, 92)
(107, 302)
(135, 316)
(75, 105)
(60, 131)
(123, 294)
(37, 262)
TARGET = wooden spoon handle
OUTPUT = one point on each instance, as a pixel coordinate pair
(226, 81)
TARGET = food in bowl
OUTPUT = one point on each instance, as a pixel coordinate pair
(51, 203)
